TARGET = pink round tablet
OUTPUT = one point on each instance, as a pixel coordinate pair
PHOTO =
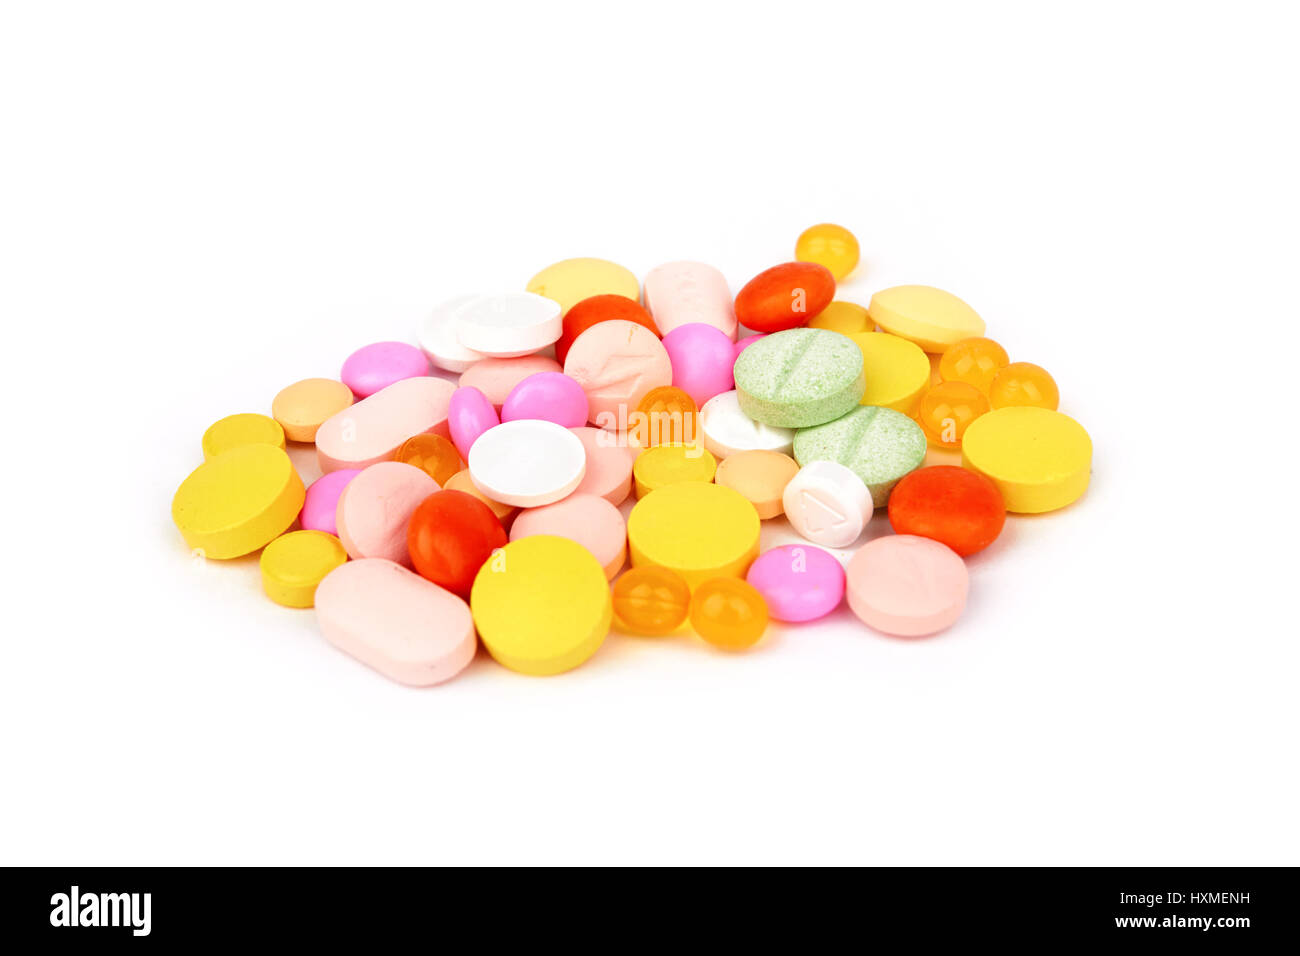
(609, 464)
(906, 585)
(702, 358)
(470, 415)
(587, 519)
(375, 509)
(550, 396)
(747, 341)
(495, 377)
(403, 626)
(322, 500)
(377, 366)
(798, 582)
(616, 362)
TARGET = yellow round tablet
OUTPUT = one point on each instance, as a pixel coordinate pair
(571, 281)
(670, 463)
(699, 530)
(842, 317)
(238, 501)
(541, 604)
(897, 371)
(294, 563)
(244, 429)
(1039, 459)
(302, 407)
(930, 317)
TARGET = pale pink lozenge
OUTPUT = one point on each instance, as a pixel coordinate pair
(377, 366)
(495, 377)
(702, 358)
(906, 585)
(549, 396)
(680, 293)
(470, 415)
(589, 520)
(798, 582)
(403, 626)
(609, 464)
(320, 506)
(376, 507)
(374, 428)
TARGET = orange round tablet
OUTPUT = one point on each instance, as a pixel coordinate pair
(761, 476)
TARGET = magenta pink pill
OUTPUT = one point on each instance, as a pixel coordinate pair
(798, 582)
(470, 415)
(377, 366)
(549, 396)
(322, 501)
(907, 585)
(702, 357)
(747, 341)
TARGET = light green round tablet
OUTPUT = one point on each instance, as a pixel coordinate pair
(799, 377)
(878, 444)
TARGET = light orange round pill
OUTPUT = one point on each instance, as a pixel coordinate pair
(760, 476)
(300, 408)
(432, 454)
(461, 482)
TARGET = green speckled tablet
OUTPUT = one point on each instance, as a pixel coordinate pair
(878, 444)
(799, 377)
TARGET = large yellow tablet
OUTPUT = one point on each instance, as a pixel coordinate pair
(1039, 459)
(698, 529)
(238, 501)
(930, 317)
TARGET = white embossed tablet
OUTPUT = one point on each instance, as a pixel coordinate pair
(828, 504)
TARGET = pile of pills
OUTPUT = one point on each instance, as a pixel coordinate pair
(491, 508)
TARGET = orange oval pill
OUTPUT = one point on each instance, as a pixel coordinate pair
(651, 600)
(432, 454)
(304, 406)
(761, 476)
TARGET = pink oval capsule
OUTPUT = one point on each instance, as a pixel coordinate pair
(470, 415)
(702, 358)
(798, 582)
(548, 396)
(322, 500)
(377, 366)
(374, 428)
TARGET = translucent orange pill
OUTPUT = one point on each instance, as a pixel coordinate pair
(947, 410)
(973, 361)
(1024, 383)
(651, 600)
(828, 245)
(432, 454)
(667, 415)
(729, 613)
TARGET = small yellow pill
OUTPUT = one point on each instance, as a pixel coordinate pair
(1039, 459)
(930, 317)
(238, 501)
(572, 280)
(828, 245)
(844, 318)
(302, 407)
(294, 563)
(897, 371)
(699, 530)
(541, 605)
(243, 429)
(670, 463)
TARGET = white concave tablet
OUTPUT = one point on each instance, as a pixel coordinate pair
(508, 324)
(527, 463)
(440, 339)
(727, 430)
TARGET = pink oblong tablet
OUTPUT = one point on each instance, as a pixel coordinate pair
(616, 362)
(495, 377)
(374, 428)
(587, 519)
(747, 341)
(377, 366)
(702, 358)
(550, 396)
(469, 415)
(609, 464)
(376, 507)
(395, 621)
(321, 504)
(906, 585)
(798, 582)
(680, 293)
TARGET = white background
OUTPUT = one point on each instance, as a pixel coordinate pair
(205, 202)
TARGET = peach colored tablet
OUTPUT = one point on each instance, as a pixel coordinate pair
(375, 509)
(403, 626)
(609, 465)
(683, 293)
(761, 476)
(589, 520)
(495, 377)
(616, 362)
(374, 428)
(906, 585)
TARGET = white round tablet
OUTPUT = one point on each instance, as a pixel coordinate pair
(827, 503)
(727, 430)
(440, 339)
(527, 463)
(509, 324)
